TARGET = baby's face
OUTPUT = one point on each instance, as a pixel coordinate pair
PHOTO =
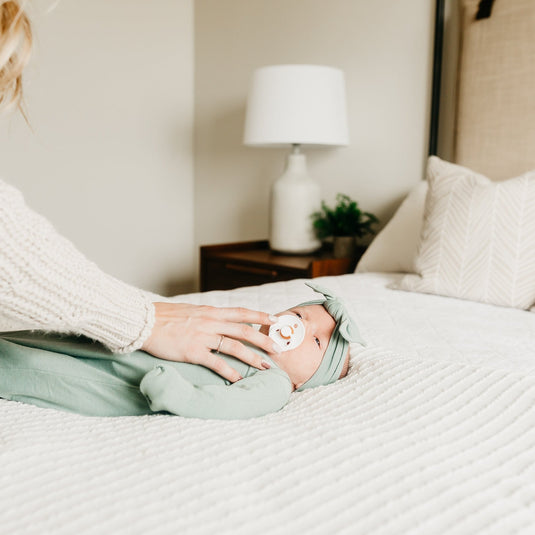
(302, 362)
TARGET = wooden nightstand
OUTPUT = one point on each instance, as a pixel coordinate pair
(250, 263)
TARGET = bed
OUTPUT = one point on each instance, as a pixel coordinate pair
(431, 432)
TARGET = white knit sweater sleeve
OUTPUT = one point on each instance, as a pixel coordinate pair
(47, 284)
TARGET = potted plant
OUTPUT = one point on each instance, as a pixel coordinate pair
(346, 223)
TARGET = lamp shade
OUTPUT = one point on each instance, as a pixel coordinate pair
(296, 104)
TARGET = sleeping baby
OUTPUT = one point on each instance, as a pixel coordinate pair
(80, 375)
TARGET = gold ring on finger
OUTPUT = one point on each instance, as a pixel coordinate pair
(220, 344)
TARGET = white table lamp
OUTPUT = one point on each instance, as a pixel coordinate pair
(296, 105)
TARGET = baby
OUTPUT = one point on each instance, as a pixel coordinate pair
(80, 375)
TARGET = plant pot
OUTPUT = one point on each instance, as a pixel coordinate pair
(344, 247)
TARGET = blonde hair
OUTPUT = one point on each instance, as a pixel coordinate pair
(15, 49)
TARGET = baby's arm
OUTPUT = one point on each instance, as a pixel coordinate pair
(262, 393)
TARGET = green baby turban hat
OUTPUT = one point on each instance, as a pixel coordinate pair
(344, 333)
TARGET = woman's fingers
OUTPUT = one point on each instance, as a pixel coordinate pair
(246, 333)
(192, 333)
(237, 315)
(236, 349)
(220, 366)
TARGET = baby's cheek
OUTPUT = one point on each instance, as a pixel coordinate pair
(309, 355)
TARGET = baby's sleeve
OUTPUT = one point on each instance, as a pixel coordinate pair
(262, 393)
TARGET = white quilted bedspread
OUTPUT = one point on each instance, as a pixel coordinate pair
(432, 432)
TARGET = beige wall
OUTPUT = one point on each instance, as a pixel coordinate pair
(109, 161)
(385, 49)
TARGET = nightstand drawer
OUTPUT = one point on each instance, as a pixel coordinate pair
(225, 275)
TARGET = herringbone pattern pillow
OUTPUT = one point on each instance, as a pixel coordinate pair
(478, 238)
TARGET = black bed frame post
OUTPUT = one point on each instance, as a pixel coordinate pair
(437, 73)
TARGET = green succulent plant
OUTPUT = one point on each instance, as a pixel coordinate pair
(345, 219)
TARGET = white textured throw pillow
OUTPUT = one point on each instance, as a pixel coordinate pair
(478, 238)
(394, 248)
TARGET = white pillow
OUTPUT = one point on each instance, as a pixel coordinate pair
(478, 239)
(394, 248)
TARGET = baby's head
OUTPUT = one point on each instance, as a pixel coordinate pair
(323, 355)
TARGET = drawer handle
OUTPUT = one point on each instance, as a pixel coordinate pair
(249, 269)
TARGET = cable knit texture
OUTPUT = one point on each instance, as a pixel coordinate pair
(47, 284)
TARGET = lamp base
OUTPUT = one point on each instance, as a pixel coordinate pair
(294, 198)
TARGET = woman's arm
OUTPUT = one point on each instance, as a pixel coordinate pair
(47, 284)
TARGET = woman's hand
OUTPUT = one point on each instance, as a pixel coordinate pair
(189, 333)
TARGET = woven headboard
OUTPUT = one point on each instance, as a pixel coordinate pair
(495, 123)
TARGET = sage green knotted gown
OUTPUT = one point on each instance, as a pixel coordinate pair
(79, 375)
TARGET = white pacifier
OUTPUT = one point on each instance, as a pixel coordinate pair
(288, 332)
